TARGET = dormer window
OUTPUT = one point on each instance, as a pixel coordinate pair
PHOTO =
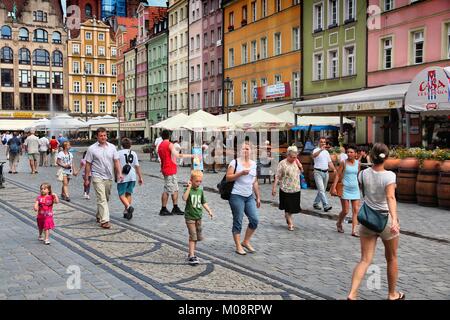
(40, 15)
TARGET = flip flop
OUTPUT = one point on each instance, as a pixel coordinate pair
(355, 235)
(291, 228)
(401, 296)
(340, 229)
(250, 249)
(241, 253)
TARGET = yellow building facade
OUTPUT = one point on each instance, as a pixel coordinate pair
(92, 71)
(262, 48)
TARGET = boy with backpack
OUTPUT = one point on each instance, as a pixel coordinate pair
(14, 148)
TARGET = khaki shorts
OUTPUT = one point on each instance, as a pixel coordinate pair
(386, 234)
(170, 184)
(195, 229)
(33, 156)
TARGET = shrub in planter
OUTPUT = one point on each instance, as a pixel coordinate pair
(146, 149)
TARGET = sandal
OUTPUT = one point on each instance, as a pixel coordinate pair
(291, 228)
(401, 296)
(249, 248)
(340, 229)
(243, 253)
(355, 235)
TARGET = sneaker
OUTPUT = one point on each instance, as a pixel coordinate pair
(86, 195)
(327, 208)
(46, 242)
(41, 238)
(129, 214)
(165, 212)
(317, 207)
(177, 210)
(193, 261)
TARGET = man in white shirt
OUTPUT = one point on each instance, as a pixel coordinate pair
(157, 143)
(43, 148)
(322, 161)
(32, 148)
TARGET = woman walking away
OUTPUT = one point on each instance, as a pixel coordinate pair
(378, 186)
(348, 171)
(288, 175)
(87, 187)
(44, 207)
(242, 199)
(65, 161)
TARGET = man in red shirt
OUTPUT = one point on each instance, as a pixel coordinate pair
(168, 155)
(54, 150)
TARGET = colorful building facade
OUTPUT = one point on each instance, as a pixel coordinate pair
(130, 82)
(195, 55)
(262, 50)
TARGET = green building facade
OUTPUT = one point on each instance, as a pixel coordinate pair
(334, 47)
(157, 55)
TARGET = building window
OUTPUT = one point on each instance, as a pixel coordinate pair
(56, 37)
(89, 105)
(57, 80)
(263, 8)
(231, 96)
(192, 73)
(6, 55)
(8, 100)
(205, 40)
(6, 32)
(333, 13)
(23, 34)
(7, 78)
(198, 100)
(418, 46)
(57, 59)
(213, 69)
(277, 43)
(76, 106)
(254, 11)
(75, 67)
(244, 16)
(76, 87)
(205, 70)
(113, 69)
(101, 68)
(101, 51)
(25, 78)
(102, 87)
(349, 10)
(89, 50)
(114, 107)
(40, 16)
(448, 41)
(41, 57)
(213, 38)
(244, 53)
(89, 87)
(349, 61)
(244, 92)
(75, 48)
(213, 99)
(254, 90)
(88, 11)
(219, 65)
(219, 33)
(263, 48)
(114, 88)
(205, 100)
(318, 67)
(101, 36)
(254, 51)
(219, 95)
(102, 107)
(296, 38)
(197, 40)
(333, 64)
(41, 79)
(230, 58)
(296, 84)
(388, 5)
(277, 78)
(40, 35)
(295, 2)
(231, 21)
(88, 36)
(24, 56)
(198, 72)
(387, 53)
(277, 5)
(113, 51)
(263, 82)
(318, 17)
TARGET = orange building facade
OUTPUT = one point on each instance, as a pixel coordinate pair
(262, 51)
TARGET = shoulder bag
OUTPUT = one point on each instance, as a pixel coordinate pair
(372, 219)
(128, 159)
(225, 187)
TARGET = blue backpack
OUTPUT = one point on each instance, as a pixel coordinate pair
(14, 146)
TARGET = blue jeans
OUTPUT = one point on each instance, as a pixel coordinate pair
(321, 179)
(240, 205)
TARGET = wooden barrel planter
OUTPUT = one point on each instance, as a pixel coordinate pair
(426, 185)
(307, 163)
(406, 180)
(443, 186)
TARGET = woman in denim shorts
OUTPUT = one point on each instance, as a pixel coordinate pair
(242, 199)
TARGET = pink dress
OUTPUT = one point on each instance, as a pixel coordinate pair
(45, 213)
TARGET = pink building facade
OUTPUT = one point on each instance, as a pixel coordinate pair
(408, 37)
(196, 42)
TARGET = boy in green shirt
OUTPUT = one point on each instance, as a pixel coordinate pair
(195, 199)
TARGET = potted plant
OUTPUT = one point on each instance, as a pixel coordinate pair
(393, 161)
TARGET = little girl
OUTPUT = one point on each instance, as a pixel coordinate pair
(44, 207)
(82, 169)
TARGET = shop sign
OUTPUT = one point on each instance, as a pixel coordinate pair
(279, 90)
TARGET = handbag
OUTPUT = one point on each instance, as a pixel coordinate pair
(225, 187)
(372, 219)
(60, 175)
(128, 159)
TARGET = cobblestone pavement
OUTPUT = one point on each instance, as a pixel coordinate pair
(146, 256)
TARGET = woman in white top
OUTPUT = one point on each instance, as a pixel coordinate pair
(378, 187)
(242, 199)
(65, 161)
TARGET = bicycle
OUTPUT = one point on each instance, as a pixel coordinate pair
(2, 178)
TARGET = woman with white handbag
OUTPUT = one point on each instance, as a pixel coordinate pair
(65, 161)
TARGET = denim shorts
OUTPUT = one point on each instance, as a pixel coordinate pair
(240, 205)
(126, 187)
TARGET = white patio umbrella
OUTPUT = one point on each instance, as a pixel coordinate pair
(202, 120)
(233, 117)
(173, 123)
(102, 120)
(62, 122)
(261, 119)
(37, 124)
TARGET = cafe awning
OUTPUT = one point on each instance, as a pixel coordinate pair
(364, 102)
(15, 124)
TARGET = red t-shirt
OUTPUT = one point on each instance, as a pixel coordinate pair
(53, 144)
(168, 166)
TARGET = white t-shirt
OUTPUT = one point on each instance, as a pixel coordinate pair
(322, 160)
(157, 142)
(123, 154)
(243, 186)
(375, 183)
(43, 144)
(66, 159)
(32, 143)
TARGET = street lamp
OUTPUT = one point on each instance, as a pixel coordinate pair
(227, 85)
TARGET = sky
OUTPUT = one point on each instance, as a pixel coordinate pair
(160, 3)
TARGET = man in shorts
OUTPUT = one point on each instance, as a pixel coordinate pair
(32, 148)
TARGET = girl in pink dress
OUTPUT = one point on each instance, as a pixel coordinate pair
(44, 207)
